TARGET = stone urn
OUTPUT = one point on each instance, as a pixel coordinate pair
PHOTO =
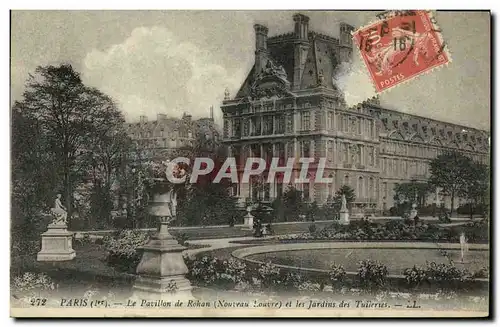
(161, 271)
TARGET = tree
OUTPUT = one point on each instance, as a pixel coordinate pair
(292, 203)
(69, 116)
(349, 193)
(450, 171)
(476, 186)
(412, 192)
(34, 178)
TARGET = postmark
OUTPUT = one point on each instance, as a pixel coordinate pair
(401, 46)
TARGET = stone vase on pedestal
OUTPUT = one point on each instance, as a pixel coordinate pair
(161, 271)
(248, 219)
(56, 244)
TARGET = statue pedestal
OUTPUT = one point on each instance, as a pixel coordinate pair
(161, 271)
(56, 244)
(248, 221)
(344, 217)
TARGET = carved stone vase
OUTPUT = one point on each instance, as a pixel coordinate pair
(161, 271)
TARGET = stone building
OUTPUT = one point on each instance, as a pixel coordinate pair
(289, 106)
(166, 136)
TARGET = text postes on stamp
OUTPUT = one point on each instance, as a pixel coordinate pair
(400, 47)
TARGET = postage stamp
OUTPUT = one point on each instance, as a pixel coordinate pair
(273, 194)
(401, 46)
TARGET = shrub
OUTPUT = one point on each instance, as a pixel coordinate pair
(415, 276)
(31, 282)
(269, 275)
(182, 238)
(202, 271)
(337, 275)
(444, 272)
(122, 249)
(213, 271)
(231, 272)
(308, 286)
(312, 228)
(481, 273)
(372, 274)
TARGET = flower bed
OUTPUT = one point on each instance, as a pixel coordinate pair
(371, 276)
(402, 230)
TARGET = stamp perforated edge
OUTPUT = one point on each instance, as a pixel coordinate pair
(439, 34)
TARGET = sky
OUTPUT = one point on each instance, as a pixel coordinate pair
(182, 61)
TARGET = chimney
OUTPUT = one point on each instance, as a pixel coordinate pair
(143, 119)
(345, 42)
(260, 47)
(301, 26)
(301, 48)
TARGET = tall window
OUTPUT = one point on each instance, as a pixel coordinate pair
(306, 151)
(268, 125)
(331, 155)
(289, 123)
(236, 127)
(246, 127)
(306, 192)
(330, 121)
(279, 187)
(305, 120)
(280, 124)
(361, 189)
(267, 193)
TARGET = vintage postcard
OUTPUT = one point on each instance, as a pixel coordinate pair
(250, 164)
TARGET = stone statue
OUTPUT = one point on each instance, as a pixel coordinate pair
(344, 203)
(226, 94)
(59, 213)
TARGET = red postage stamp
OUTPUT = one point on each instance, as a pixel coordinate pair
(400, 46)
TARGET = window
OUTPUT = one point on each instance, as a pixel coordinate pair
(280, 124)
(236, 127)
(361, 191)
(246, 127)
(330, 121)
(267, 192)
(289, 123)
(305, 118)
(268, 125)
(331, 156)
(306, 192)
(279, 188)
(306, 148)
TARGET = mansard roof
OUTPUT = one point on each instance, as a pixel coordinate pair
(321, 60)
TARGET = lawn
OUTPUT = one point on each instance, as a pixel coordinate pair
(396, 260)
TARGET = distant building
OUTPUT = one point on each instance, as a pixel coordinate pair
(289, 106)
(164, 137)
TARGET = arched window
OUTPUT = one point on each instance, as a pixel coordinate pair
(331, 191)
(360, 188)
(371, 188)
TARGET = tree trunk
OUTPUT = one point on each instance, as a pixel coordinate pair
(471, 211)
(452, 203)
(67, 190)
